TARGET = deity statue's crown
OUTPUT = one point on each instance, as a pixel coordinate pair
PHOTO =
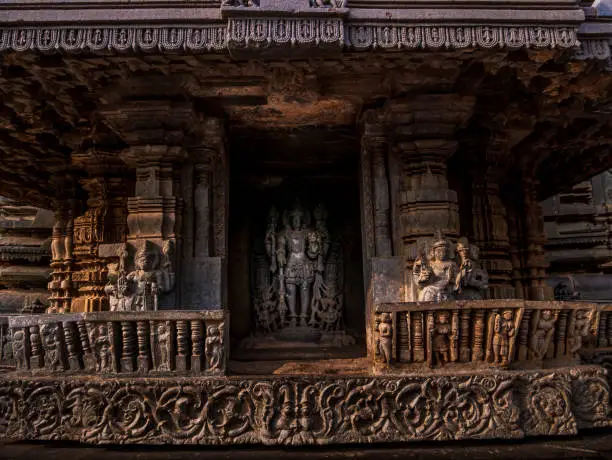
(439, 242)
(297, 209)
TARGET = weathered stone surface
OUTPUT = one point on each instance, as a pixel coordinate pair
(304, 410)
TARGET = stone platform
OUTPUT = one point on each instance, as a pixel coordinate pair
(302, 410)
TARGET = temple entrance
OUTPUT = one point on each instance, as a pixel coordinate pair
(295, 267)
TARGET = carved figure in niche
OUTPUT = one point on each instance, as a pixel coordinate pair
(578, 327)
(385, 337)
(297, 272)
(51, 345)
(19, 348)
(7, 347)
(139, 289)
(163, 344)
(441, 333)
(543, 334)
(297, 256)
(435, 275)
(504, 330)
(471, 279)
(214, 347)
(101, 346)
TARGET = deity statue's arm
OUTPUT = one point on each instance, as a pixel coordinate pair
(281, 250)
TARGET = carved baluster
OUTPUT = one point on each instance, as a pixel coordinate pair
(454, 337)
(602, 338)
(429, 336)
(197, 346)
(478, 336)
(89, 360)
(72, 346)
(182, 346)
(609, 329)
(403, 337)
(129, 346)
(464, 341)
(417, 333)
(36, 353)
(523, 336)
(561, 334)
(144, 357)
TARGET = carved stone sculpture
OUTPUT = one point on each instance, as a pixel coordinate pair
(385, 337)
(471, 279)
(139, 289)
(100, 338)
(19, 348)
(435, 274)
(298, 279)
(214, 347)
(545, 328)
(442, 335)
(504, 333)
(578, 327)
(439, 278)
(52, 345)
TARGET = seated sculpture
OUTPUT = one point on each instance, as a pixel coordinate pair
(139, 289)
(439, 277)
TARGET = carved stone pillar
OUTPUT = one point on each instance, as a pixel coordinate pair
(489, 225)
(205, 195)
(534, 257)
(377, 204)
(103, 222)
(62, 258)
(423, 131)
(156, 131)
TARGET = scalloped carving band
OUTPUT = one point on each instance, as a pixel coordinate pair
(283, 32)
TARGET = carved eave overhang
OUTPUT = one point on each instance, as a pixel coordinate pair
(260, 26)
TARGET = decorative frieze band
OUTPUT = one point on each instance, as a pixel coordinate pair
(286, 32)
(300, 410)
(371, 36)
(594, 49)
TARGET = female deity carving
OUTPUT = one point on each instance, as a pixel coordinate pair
(471, 280)
(435, 276)
(504, 329)
(543, 334)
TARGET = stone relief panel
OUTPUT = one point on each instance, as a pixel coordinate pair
(298, 282)
(467, 334)
(304, 410)
(135, 284)
(121, 342)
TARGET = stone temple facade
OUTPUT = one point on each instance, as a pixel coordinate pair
(302, 222)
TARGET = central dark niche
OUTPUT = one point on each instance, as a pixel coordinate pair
(295, 268)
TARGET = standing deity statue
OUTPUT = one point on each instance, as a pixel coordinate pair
(504, 329)
(297, 253)
(435, 275)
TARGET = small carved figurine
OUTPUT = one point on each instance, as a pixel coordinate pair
(51, 345)
(101, 346)
(503, 331)
(163, 343)
(543, 334)
(214, 347)
(579, 326)
(385, 337)
(19, 348)
(441, 338)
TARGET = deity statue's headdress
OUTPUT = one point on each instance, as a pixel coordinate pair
(297, 210)
(149, 252)
(439, 241)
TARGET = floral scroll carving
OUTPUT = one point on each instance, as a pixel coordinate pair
(301, 410)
